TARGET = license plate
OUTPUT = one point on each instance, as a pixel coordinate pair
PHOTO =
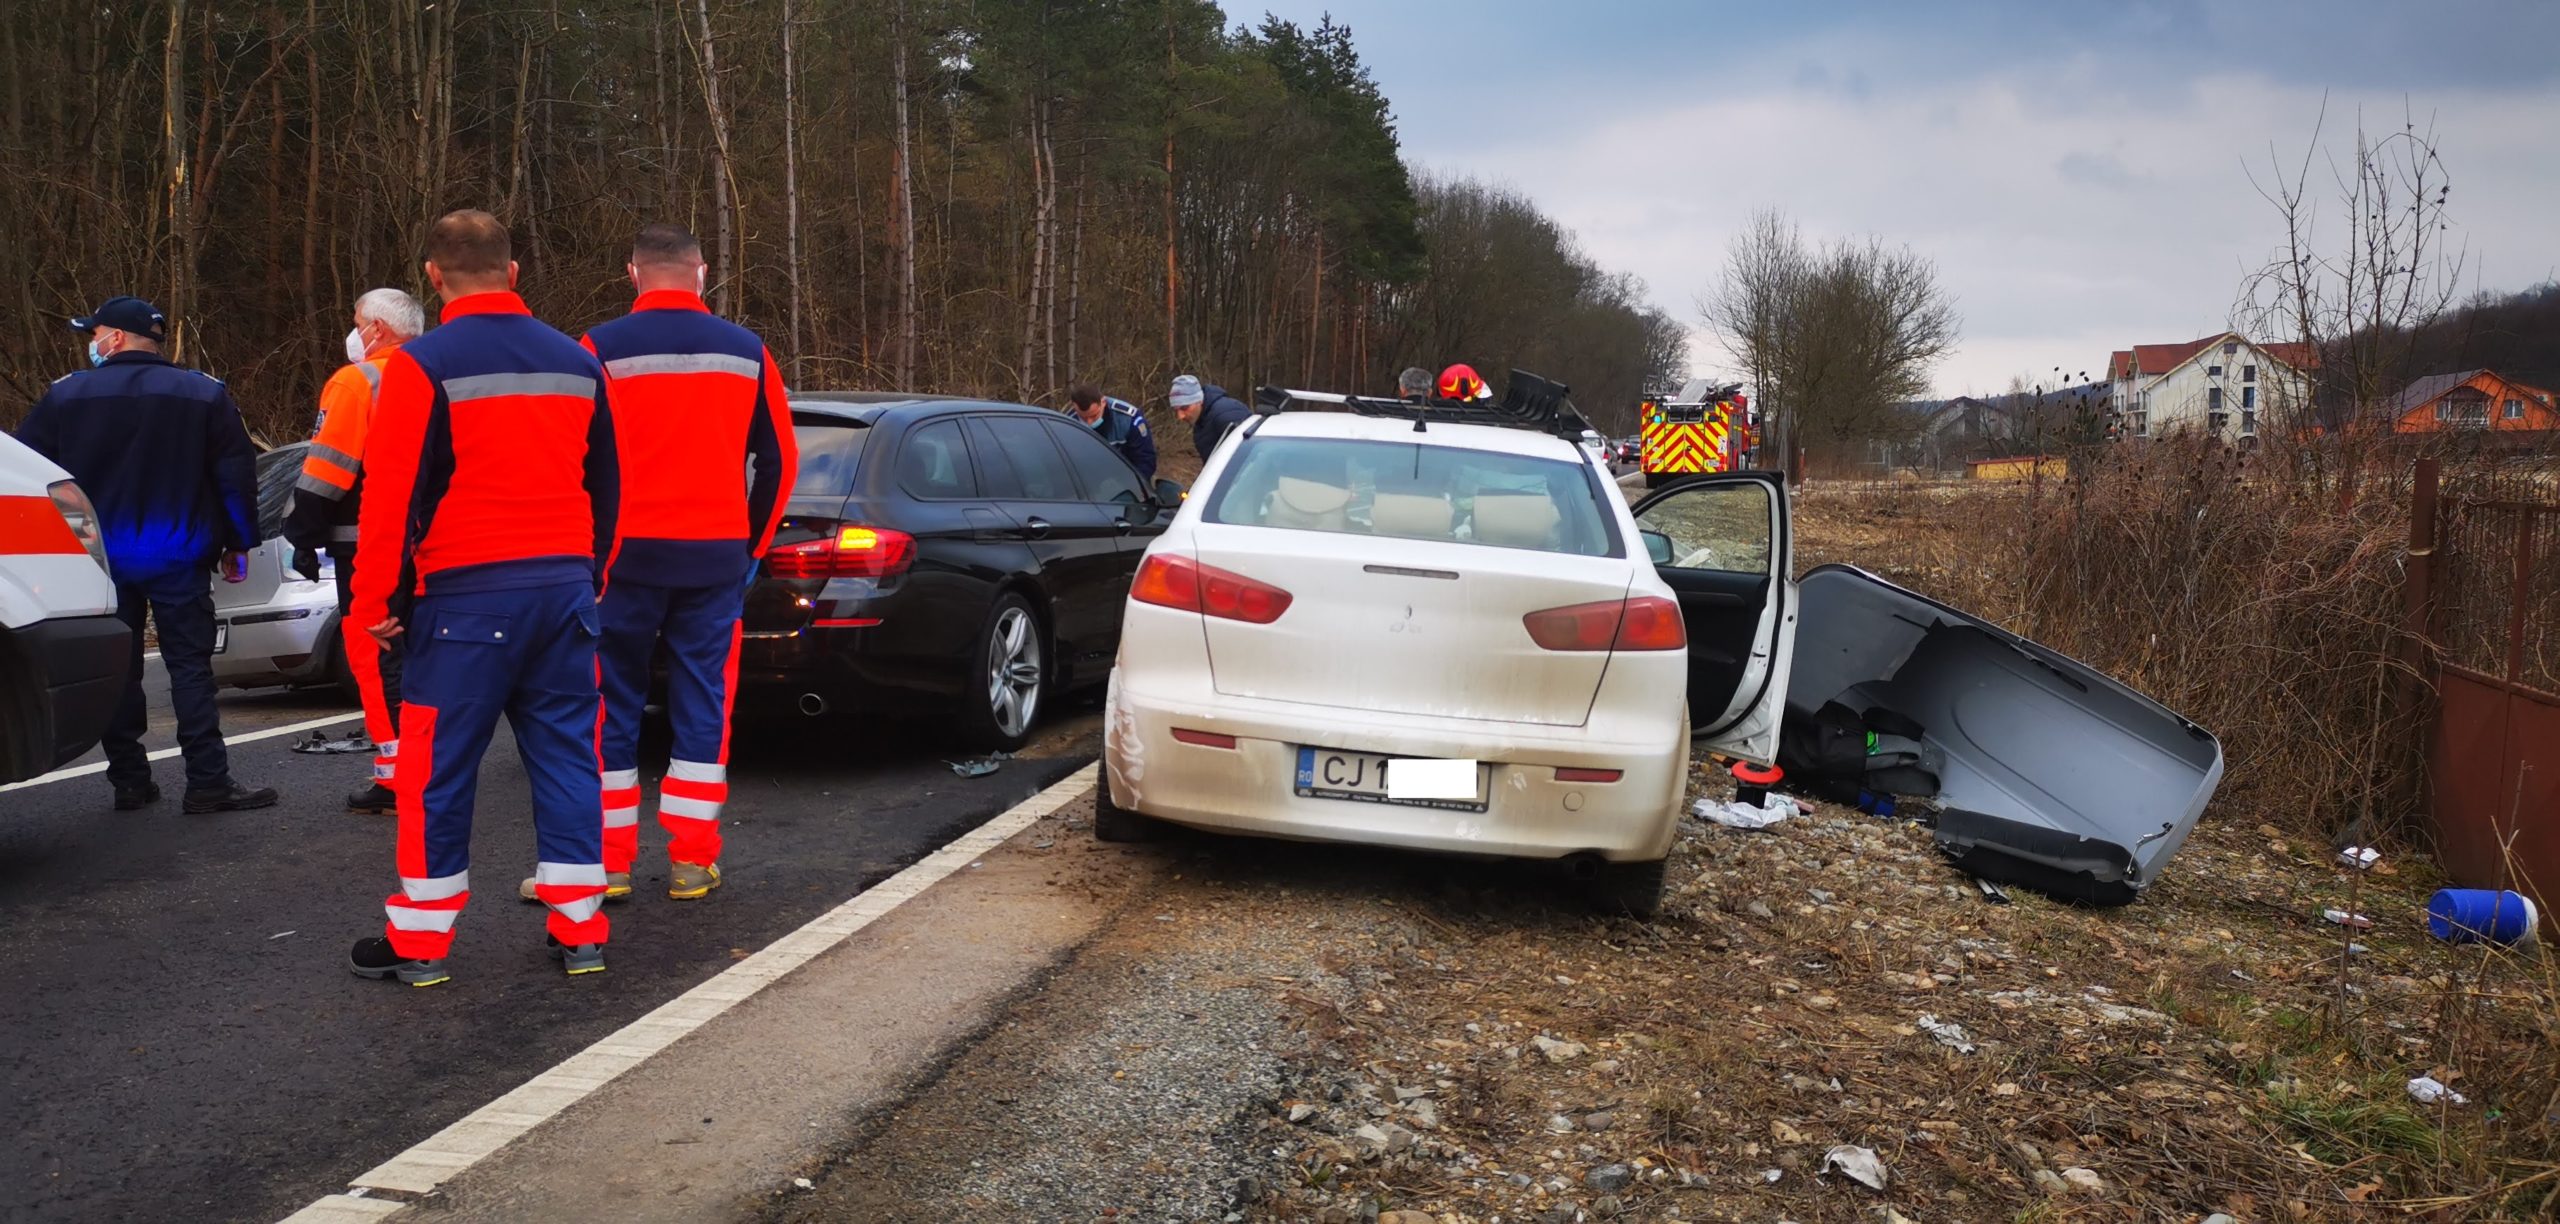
(1363, 777)
(221, 637)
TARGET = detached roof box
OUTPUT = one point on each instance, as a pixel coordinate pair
(2049, 774)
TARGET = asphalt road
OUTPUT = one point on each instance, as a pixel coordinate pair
(184, 1040)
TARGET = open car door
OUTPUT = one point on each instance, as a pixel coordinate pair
(1725, 546)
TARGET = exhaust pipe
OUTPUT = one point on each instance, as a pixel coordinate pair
(812, 704)
(1584, 867)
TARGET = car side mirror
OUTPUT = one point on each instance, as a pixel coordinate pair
(1169, 497)
(1657, 546)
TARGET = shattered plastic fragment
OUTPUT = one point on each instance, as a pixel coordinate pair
(1949, 1034)
(981, 766)
(1858, 1164)
(2427, 1090)
(1746, 816)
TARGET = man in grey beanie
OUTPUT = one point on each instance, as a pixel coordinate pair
(1209, 410)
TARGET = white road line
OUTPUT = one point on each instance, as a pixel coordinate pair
(82, 771)
(448, 1152)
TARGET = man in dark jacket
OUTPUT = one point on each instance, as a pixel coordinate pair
(1209, 411)
(1119, 423)
(160, 451)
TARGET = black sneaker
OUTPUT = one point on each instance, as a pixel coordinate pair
(135, 795)
(374, 800)
(583, 958)
(374, 958)
(231, 798)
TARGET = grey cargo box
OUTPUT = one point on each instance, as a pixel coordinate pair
(2050, 775)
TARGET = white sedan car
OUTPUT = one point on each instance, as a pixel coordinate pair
(275, 627)
(1453, 638)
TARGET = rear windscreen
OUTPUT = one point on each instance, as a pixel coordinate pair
(277, 470)
(829, 448)
(1414, 491)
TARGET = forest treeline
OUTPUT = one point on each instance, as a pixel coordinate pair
(994, 197)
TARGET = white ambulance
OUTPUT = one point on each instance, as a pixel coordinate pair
(63, 651)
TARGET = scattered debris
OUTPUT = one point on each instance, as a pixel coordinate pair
(1609, 1179)
(1949, 1034)
(1559, 1051)
(1859, 1164)
(335, 745)
(802, 1183)
(979, 767)
(1991, 892)
(2428, 1090)
(1738, 815)
(281, 934)
(2361, 858)
(2345, 919)
(2085, 1180)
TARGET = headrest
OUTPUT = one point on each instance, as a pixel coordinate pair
(1519, 520)
(1418, 515)
(1312, 497)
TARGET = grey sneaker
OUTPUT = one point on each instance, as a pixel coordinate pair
(583, 958)
(617, 887)
(692, 881)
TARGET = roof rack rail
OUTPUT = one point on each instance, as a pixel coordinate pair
(1529, 402)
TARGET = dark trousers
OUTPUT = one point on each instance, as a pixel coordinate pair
(386, 659)
(181, 604)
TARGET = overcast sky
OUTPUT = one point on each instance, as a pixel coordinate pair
(2079, 171)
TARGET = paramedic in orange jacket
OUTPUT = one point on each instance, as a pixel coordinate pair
(703, 428)
(487, 528)
(326, 499)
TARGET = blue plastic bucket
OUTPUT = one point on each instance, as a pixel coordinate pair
(2471, 915)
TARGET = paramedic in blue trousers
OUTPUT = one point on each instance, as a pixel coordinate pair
(703, 430)
(491, 489)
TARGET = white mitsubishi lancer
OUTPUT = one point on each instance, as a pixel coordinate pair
(1443, 629)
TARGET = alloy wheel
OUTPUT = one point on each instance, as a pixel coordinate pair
(1013, 671)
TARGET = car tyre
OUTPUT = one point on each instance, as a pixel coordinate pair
(1010, 676)
(1633, 889)
(1114, 823)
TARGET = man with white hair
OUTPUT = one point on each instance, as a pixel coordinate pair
(323, 518)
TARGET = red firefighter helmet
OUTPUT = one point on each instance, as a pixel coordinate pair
(1459, 382)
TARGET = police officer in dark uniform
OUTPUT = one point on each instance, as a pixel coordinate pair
(1119, 423)
(160, 450)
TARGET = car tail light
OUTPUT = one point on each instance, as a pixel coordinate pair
(81, 517)
(1564, 774)
(850, 551)
(1205, 739)
(1170, 580)
(1646, 622)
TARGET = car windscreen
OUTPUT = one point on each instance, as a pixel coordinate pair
(1414, 490)
(277, 470)
(830, 446)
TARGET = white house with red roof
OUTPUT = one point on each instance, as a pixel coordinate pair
(2223, 385)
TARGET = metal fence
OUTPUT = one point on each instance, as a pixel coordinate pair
(2493, 618)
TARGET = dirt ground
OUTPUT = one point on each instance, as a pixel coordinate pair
(1299, 1033)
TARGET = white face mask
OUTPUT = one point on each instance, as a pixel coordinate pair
(355, 345)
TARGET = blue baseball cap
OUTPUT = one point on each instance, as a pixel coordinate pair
(126, 314)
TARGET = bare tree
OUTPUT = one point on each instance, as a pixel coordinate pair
(724, 182)
(2358, 290)
(1831, 337)
(791, 184)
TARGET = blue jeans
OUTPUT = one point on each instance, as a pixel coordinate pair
(181, 604)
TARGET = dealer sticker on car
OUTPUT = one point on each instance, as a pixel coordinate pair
(1326, 773)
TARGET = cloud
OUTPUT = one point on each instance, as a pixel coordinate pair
(2080, 173)
(2056, 249)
